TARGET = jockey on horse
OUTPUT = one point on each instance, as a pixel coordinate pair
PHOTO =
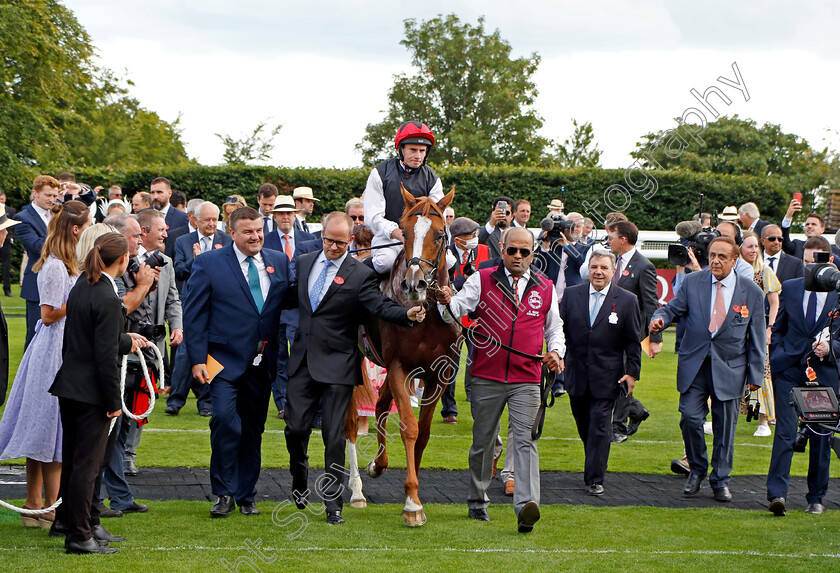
(383, 199)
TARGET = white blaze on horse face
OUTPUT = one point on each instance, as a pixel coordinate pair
(421, 227)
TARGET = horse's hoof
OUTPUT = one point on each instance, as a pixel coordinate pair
(358, 503)
(414, 518)
(372, 471)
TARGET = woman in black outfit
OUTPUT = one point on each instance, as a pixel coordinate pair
(87, 385)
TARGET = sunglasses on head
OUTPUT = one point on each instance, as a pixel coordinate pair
(511, 251)
(773, 239)
(232, 200)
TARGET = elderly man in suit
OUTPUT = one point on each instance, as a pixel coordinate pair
(602, 327)
(32, 232)
(500, 219)
(799, 342)
(286, 239)
(334, 292)
(785, 266)
(723, 350)
(205, 238)
(172, 235)
(636, 274)
(749, 217)
(161, 192)
(232, 310)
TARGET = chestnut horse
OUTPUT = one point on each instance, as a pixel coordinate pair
(428, 350)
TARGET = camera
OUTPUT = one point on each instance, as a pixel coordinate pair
(818, 411)
(556, 226)
(153, 332)
(154, 260)
(695, 237)
(821, 275)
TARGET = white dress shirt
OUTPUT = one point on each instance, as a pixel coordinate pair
(265, 283)
(206, 243)
(43, 213)
(318, 267)
(467, 299)
(604, 291)
(165, 210)
(776, 259)
(820, 304)
(374, 199)
(625, 258)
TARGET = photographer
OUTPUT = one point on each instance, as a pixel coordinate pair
(500, 219)
(560, 256)
(800, 344)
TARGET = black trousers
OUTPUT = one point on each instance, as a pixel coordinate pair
(6, 264)
(84, 443)
(625, 407)
(592, 416)
(303, 396)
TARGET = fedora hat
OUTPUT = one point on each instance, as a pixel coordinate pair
(555, 204)
(284, 204)
(730, 213)
(304, 193)
(5, 222)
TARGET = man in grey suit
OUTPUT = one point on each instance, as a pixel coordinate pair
(722, 350)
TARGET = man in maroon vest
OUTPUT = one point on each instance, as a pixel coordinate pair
(517, 306)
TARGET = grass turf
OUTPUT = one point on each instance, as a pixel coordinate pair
(180, 536)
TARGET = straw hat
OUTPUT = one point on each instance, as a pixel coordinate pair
(284, 204)
(730, 213)
(5, 222)
(304, 193)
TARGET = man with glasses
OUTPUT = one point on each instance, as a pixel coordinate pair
(335, 292)
(785, 266)
(516, 305)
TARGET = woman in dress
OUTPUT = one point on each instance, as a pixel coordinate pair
(765, 278)
(30, 426)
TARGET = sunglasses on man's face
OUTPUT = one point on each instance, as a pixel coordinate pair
(357, 217)
(773, 239)
(511, 251)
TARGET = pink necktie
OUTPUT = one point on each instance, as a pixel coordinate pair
(719, 310)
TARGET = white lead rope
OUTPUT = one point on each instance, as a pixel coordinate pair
(126, 411)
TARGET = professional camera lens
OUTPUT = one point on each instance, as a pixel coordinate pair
(801, 439)
(822, 277)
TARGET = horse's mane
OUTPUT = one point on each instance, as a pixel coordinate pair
(423, 207)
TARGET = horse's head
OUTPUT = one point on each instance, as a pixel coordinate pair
(424, 229)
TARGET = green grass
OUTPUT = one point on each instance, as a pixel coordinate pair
(184, 440)
(180, 536)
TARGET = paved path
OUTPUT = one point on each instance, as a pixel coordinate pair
(450, 486)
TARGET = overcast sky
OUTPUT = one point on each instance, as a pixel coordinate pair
(323, 68)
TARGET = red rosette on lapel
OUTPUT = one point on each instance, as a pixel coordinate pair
(338, 280)
(269, 270)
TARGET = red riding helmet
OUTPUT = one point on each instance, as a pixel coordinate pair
(414, 132)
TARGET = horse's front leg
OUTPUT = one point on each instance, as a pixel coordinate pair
(399, 383)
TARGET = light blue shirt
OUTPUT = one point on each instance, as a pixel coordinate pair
(318, 267)
(728, 289)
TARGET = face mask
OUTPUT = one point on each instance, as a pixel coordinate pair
(470, 244)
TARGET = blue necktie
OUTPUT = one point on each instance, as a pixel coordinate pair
(593, 312)
(254, 284)
(811, 314)
(315, 294)
(266, 226)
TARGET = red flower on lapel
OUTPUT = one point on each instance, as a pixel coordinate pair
(269, 270)
(736, 308)
(625, 273)
(217, 246)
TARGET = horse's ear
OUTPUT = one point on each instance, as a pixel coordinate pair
(409, 199)
(447, 199)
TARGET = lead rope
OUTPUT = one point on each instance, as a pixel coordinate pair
(125, 409)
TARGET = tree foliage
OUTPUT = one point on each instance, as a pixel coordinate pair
(58, 110)
(255, 147)
(580, 150)
(469, 90)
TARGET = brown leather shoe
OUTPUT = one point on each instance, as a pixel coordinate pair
(509, 487)
(450, 420)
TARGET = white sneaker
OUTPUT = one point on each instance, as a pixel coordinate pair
(762, 431)
(707, 428)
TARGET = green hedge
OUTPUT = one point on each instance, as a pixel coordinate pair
(675, 197)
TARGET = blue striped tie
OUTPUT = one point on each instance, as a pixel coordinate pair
(315, 294)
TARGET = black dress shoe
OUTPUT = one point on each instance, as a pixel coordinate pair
(633, 422)
(815, 508)
(777, 507)
(205, 412)
(334, 517)
(87, 547)
(722, 494)
(136, 508)
(595, 489)
(528, 516)
(223, 506)
(58, 529)
(171, 410)
(692, 484)
(102, 534)
(479, 514)
(249, 509)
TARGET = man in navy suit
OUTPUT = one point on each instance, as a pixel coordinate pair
(722, 350)
(232, 310)
(799, 341)
(32, 232)
(286, 239)
(205, 238)
(161, 192)
(601, 322)
(785, 266)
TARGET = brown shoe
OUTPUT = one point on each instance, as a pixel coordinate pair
(450, 420)
(496, 463)
(509, 487)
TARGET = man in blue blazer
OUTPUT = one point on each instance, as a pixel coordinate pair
(32, 232)
(205, 238)
(232, 311)
(161, 192)
(287, 239)
(799, 342)
(722, 350)
(602, 325)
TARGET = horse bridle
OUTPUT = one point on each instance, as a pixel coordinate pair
(434, 266)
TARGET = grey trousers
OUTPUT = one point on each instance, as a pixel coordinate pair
(693, 407)
(488, 402)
